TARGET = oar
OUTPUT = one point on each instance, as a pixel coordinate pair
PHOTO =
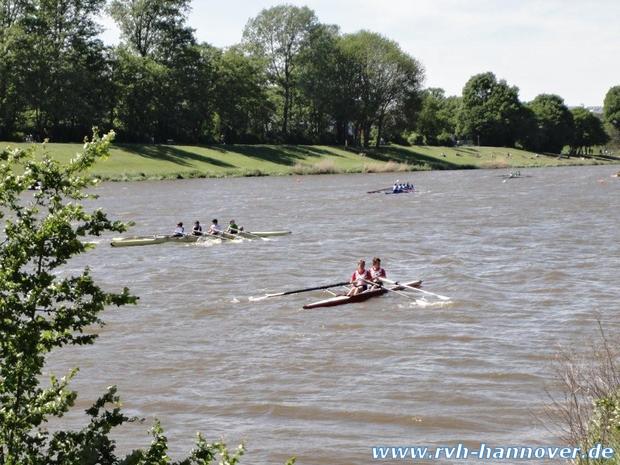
(379, 190)
(388, 289)
(441, 297)
(218, 236)
(246, 233)
(297, 291)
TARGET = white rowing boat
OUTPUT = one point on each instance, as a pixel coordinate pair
(132, 241)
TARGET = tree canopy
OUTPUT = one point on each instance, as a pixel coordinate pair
(611, 107)
(554, 121)
(292, 79)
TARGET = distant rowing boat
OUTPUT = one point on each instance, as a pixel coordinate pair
(402, 191)
(133, 241)
(362, 296)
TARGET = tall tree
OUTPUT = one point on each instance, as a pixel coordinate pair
(321, 83)
(242, 101)
(589, 131)
(148, 25)
(165, 81)
(555, 122)
(611, 107)
(13, 49)
(437, 119)
(490, 111)
(54, 59)
(387, 78)
(278, 35)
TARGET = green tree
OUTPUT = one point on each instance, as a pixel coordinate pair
(51, 58)
(242, 102)
(321, 84)
(13, 48)
(139, 88)
(40, 309)
(437, 119)
(278, 35)
(43, 308)
(149, 27)
(555, 122)
(387, 78)
(490, 111)
(589, 131)
(611, 107)
(164, 80)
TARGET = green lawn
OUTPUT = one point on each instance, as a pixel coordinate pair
(137, 161)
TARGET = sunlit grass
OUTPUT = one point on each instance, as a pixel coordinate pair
(130, 162)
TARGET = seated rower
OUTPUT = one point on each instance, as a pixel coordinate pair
(396, 188)
(179, 231)
(233, 228)
(215, 229)
(376, 272)
(359, 279)
(197, 229)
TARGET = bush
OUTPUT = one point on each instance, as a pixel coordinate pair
(415, 139)
(445, 139)
(587, 409)
(45, 307)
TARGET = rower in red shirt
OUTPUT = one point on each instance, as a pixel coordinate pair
(359, 279)
(376, 272)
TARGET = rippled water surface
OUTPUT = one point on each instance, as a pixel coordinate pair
(527, 263)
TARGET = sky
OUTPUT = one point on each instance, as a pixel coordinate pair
(566, 47)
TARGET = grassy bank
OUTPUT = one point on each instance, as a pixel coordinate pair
(136, 161)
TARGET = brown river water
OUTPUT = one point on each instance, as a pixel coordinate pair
(527, 263)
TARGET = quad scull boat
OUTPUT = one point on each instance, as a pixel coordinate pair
(132, 241)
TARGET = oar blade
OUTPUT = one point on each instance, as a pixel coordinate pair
(438, 296)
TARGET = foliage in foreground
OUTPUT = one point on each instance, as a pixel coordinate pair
(42, 308)
(587, 410)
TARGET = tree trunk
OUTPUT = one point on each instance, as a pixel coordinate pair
(366, 129)
(379, 130)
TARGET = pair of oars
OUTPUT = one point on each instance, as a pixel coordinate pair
(344, 283)
(438, 296)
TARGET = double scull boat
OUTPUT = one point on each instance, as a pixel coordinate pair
(375, 292)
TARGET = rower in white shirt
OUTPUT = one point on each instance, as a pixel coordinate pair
(179, 231)
(215, 229)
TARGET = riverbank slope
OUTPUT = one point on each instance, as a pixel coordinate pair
(130, 162)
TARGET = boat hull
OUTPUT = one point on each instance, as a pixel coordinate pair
(406, 191)
(264, 233)
(343, 299)
(134, 241)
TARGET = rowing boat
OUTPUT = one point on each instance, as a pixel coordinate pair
(362, 296)
(132, 241)
(150, 240)
(249, 234)
(402, 191)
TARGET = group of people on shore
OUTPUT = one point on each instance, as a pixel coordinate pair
(214, 230)
(362, 279)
